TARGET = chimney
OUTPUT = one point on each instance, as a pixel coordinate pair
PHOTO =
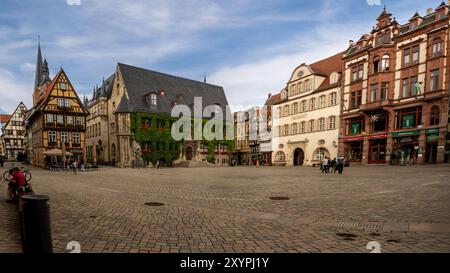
(270, 95)
(351, 43)
(429, 11)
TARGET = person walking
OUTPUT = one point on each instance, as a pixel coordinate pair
(340, 165)
(75, 167)
(2, 161)
(325, 165)
(334, 165)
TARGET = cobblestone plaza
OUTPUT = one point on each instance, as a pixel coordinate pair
(405, 209)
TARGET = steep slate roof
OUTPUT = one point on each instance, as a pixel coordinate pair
(106, 89)
(124, 106)
(141, 82)
(327, 66)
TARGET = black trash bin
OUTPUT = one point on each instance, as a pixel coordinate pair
(37, 234)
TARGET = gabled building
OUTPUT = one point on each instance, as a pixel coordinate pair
(97, 125)
(306, 117)
(396, 88)
(57, 121)
(131, 119)
(3, 120)
(13, 133)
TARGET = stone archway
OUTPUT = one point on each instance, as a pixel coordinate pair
(299, 157)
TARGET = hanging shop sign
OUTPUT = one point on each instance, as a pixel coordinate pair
(381, 136)
(432, 131)
(407, 133)
(351, 139)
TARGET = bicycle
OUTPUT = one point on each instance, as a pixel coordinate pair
(6, 176)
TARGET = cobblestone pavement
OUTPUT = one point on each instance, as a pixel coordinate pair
(9, 224)
(405, 209)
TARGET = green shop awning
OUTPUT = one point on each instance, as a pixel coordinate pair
(432, 131)
(407, 133)
(432, 138)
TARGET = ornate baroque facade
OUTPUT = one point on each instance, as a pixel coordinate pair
(396, 88)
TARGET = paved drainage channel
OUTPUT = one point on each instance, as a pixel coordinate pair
(351, 225)
(279, 198)
(154, 204)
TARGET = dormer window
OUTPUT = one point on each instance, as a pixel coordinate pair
(413, 24)
(153, 100)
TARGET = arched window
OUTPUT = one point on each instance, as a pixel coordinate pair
(311, 126)
(437, 48)
(280, 156)
(321, 154)
(286, 130)
(302, 127)
(294, 128)
(322, 124)
(295, 108)
(286, 110)
(303, 106)
(322, 101)
(332, 123)
(333, 99)
(312, 104)
(385, 63)
(434, 115)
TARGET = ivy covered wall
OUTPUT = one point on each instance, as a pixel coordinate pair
(153, 133)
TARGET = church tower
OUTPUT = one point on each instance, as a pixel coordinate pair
(42, 77)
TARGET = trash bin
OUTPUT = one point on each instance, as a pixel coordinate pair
(37, 235)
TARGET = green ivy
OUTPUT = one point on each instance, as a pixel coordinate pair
(162, 145)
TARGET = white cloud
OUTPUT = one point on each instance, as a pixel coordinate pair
(249, 83)
(13, 90)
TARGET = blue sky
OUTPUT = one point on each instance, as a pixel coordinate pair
(249, 47)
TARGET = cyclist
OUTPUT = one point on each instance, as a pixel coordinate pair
(18, 186)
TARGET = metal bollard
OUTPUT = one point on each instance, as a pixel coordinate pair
(37, 234)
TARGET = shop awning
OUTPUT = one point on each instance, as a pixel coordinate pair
(57, 152)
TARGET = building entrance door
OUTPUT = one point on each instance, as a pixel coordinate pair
(377, 152)
(299, 157)
(189, 153)
(431, 153)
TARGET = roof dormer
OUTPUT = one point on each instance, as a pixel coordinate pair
(415, 21)
(384, 20)
(441, 11)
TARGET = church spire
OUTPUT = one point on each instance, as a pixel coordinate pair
(39, 64)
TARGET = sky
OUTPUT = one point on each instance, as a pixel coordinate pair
(250, 47)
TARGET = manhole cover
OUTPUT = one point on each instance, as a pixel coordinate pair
(279, 198)
(347, 235)
(154, 204)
